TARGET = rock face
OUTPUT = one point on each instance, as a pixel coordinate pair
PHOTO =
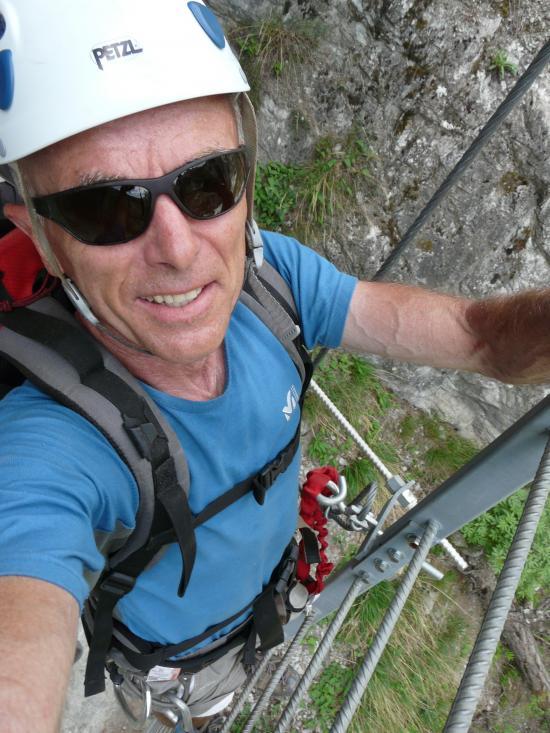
(414, 79)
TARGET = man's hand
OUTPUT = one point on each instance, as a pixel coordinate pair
(506, 338)
(38, 625)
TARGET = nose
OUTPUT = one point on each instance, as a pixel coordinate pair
(170, 239)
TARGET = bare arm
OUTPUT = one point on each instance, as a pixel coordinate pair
(38, 626)
(505, 338)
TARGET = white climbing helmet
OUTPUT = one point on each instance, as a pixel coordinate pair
(69, 65)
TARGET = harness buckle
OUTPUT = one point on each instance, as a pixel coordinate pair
(117, 584)
(264, 480)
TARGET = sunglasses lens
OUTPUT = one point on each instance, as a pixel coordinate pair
(213, 186)
(114, 213)
(106, 214)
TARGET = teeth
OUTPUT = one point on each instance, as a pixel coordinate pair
(174, 301)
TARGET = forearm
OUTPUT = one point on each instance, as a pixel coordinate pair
(410, 324)
(505, 338)
(37, 638)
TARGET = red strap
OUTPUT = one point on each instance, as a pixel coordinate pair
(21, 266)
(312, 514)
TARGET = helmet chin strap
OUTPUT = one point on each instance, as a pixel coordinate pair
(254, 243)
(254, 251)
(83, 308)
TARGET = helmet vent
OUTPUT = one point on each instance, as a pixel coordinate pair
(208, 22)
(6, 79)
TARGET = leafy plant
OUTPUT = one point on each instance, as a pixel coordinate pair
(502, 64)
(327, 695)
(275, 194)
(304, 198)
(325, 450)
(494, 532)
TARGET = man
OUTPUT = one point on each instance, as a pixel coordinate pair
(158, 287)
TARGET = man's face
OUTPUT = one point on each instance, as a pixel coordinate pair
(177, 255)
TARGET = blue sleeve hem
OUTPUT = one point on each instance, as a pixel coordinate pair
(339, 313)
(322, 293)
(50, 572)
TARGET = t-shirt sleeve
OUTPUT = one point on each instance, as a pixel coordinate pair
(322, 292)
(60, 484)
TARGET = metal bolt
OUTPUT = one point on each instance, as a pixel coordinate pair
(413, 541)
(381, 565)
(395, 555)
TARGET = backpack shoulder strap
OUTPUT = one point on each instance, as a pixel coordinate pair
(269, 297)
(45, 344)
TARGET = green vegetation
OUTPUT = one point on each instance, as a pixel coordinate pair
(415, 682)
(516, 716)
(275, 194)
(352, 384)
(303, 199)
(437, 449)
(502, 64)
(328, 694)
(274, 47)
(494, 532)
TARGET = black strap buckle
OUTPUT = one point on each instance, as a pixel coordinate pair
(117, 584)
(265, 480)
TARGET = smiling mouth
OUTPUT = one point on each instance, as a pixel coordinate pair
(174, 301)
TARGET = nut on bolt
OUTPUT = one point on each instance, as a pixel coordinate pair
(395, 555)
(381, 565)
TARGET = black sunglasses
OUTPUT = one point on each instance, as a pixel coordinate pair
(119, 211)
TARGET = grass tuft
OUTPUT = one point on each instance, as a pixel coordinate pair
(304, 199)
(414, 684)
(501, 64)
(274, 47)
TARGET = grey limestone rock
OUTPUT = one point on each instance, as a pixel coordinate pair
(415, 79)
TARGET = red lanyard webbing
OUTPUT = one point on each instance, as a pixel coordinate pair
(312, 514)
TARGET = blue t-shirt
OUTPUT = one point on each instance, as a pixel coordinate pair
(63, 487)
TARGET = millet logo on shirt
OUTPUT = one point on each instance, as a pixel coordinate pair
(292, 399)
(114, 51)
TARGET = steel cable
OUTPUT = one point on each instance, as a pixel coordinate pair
(331, 407)
(470, 689)
(384, 470)
(385, 629)
(522, 85)
(251, 683)
(318, 658)
(289, 656)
